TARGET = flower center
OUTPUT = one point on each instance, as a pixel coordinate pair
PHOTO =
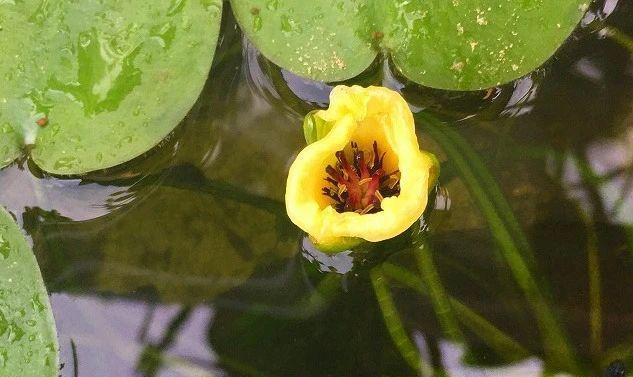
(360, 186)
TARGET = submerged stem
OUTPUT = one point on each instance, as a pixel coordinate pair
(593, 269)
(439, 299)
(394, 325)
(508, 236)
(506, 347)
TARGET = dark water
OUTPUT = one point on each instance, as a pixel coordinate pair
(183, 262)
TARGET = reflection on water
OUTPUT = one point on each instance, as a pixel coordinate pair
(135, 335)
(453, 360)
(613, 161)
(340, 263)
(610, 162)
(111, 337)
(183, 262)
(70, 198)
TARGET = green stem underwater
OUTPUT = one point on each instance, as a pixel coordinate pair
(508, 235)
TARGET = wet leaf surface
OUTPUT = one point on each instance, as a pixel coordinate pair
(94, 84)
(28, 339)
(456, 45)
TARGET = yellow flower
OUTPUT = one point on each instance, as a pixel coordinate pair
(363, 177)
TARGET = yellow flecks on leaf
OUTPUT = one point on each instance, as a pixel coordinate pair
(481, 20)
(457, 66)
(460, 29)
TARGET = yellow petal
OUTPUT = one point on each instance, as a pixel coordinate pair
(362, 115)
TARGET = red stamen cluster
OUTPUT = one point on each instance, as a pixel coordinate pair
(362, 185)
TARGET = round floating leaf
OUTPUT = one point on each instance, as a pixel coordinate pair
(450, 44)
(319, 39)
(93, 84)
(28, 339)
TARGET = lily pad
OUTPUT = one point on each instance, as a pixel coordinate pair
(93, 84)
(450, 44)
(28, 339)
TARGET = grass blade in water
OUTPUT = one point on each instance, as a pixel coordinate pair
(595, 294)
(501, 343)
(394, 325)
(441, 305)
(507, 234)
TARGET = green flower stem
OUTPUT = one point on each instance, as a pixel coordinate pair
(439, 299)
(628, 231)
(506, 347)
(508, 235)
(593, 266)
(394, 325)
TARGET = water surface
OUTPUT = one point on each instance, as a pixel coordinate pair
(183, 262)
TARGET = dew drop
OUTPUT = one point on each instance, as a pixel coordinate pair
(66, 163)
(257, 23)
(285, 23)
(54, 130)
(7, 129)
(4, 357)
(272, 4)
(5, 247)
(16, 333)
(36, 303)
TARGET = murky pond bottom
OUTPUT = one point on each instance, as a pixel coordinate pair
(183, 262)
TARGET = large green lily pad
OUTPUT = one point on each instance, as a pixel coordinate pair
(92, 84)
(28, 339)
(448, 44)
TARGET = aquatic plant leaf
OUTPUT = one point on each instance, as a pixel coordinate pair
(93, 84)
(508, 348)
(456, 44)
(316, 39)
(28, 339)
(507, 233)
